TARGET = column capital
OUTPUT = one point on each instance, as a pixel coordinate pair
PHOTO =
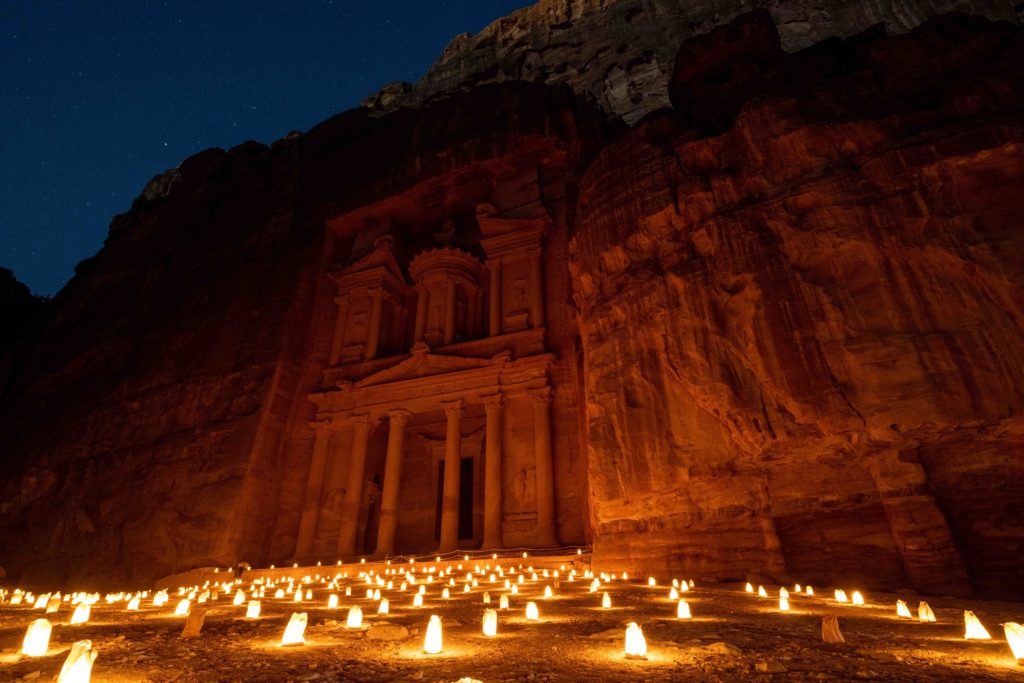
(322, 424)
(399, 416)
(362, 420)
(341, 299)
(452, 408)
(493, 402)
(541, 395)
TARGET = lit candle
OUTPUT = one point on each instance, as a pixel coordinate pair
(487, 598)
(417, 600)
(651, 582)
(355, 617)
(749, 587)
(182, 608)
(636, 645)
(761, 592)
(840, 595)
(809, 590)
(1015, 639)
(532, 613)
(547, 592)
(252, 611)
(384, 606)
(606, 601)
(924, 613)
(673, 594)
(432, 640)
(81, 615)
(858, 599)
(78, 665)
(503, 602)
(239, 597)
(37, 638)
(332, 601)
(133, 606)
(783, 603)
(902, 610)
(294, 632)
(490, 623)
(973, 629)
(682, 610)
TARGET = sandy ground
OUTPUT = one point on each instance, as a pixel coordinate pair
(732, 636)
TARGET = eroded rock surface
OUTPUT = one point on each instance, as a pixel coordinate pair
(621, 52)
(804, 336)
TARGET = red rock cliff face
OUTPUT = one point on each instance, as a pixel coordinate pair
(161, 421)
(804, 334)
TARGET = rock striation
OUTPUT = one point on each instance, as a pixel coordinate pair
(620, 53)
(775, 330)
(800, 301)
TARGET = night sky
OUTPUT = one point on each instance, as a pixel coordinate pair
(97, 97)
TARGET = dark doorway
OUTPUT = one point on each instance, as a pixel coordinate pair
(465, 499)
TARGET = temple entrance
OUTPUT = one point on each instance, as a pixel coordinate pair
(466, 490)
(466, 499)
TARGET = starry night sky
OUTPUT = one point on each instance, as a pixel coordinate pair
(97, 97)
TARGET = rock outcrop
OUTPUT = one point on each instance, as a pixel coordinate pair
(621, 53)
(804, 334)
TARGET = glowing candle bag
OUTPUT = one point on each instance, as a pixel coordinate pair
(78, 665)
(37, 638)
(490, 623)
(432, 640)
(636, 644)
(295, 631)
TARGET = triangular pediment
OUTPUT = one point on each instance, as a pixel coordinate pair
(380, 258)
(421, 365)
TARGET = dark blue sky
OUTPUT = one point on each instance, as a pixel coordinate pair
(98, 96)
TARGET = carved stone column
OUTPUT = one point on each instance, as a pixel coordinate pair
(452, 467)
(397, 420)
(449, 312)
(338, 343)
(373, 333)
(545, 476)
(422, 299)
(354, 490)
(492, 473)
(537, 276)
(314, 490)
(494, 311)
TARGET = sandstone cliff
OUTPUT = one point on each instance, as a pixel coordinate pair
(804, 336)
(797, 299)
(620, 53)
(161, 422)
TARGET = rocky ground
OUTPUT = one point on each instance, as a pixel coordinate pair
(732, 634)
